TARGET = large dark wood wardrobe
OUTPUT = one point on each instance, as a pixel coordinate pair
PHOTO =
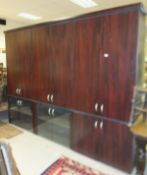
(89, 65)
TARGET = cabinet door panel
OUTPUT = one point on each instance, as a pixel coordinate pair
(25, 64)
(116, 145)
(12, 63)
(86, 64)
(42, 63)
(82, 134)
(102, 140)
(119, 68)
(62, 63)
(19, 62)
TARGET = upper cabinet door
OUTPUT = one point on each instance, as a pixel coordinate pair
(87, 53)
(41, 63)
(12, 63)
(19, 62)
(119, 61)
(62, 63)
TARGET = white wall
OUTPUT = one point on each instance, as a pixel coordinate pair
(10, 25)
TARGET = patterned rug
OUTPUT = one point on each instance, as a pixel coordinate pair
(66, 166)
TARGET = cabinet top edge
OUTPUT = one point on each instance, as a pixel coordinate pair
(139, 7)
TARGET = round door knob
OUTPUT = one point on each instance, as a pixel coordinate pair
(19, 102)
(106, 55)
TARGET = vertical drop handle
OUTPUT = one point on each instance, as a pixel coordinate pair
(96, 106)
(53, 112)
(102, 108)
(95, 124)
(48, 97)
(101, 125)
(49, 111)
(52, 98)
(19, 91)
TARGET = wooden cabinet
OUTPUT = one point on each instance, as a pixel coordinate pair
(88, 64)
(103, 140)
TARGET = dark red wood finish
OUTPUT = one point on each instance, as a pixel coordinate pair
(87, 52)
(105, 64)
(42, 70)
(52, 52)
(96, 58)
(105, 141)
(12, 63)
(62, 63)
(68, 61)
(18, 45)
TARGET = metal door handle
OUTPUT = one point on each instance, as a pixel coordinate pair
(102, 108)
(95, 124)
(48, 97)
(101, 124)
(53, 112)
(96, 107)
(19, 91)
(49, 111)
(52, 98)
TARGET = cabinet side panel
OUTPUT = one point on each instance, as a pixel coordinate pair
(140, 62)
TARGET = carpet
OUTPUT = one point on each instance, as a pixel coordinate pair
(66, 166)
(7, 131)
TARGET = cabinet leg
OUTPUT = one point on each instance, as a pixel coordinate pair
(34, 118)
(9, 110)
(140, 158)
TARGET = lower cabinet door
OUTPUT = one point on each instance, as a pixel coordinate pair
(104, 140)
(20, 113)
(82, 134)
(115, 146)
(53, 123)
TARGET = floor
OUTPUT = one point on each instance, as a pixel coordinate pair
(55, 128)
